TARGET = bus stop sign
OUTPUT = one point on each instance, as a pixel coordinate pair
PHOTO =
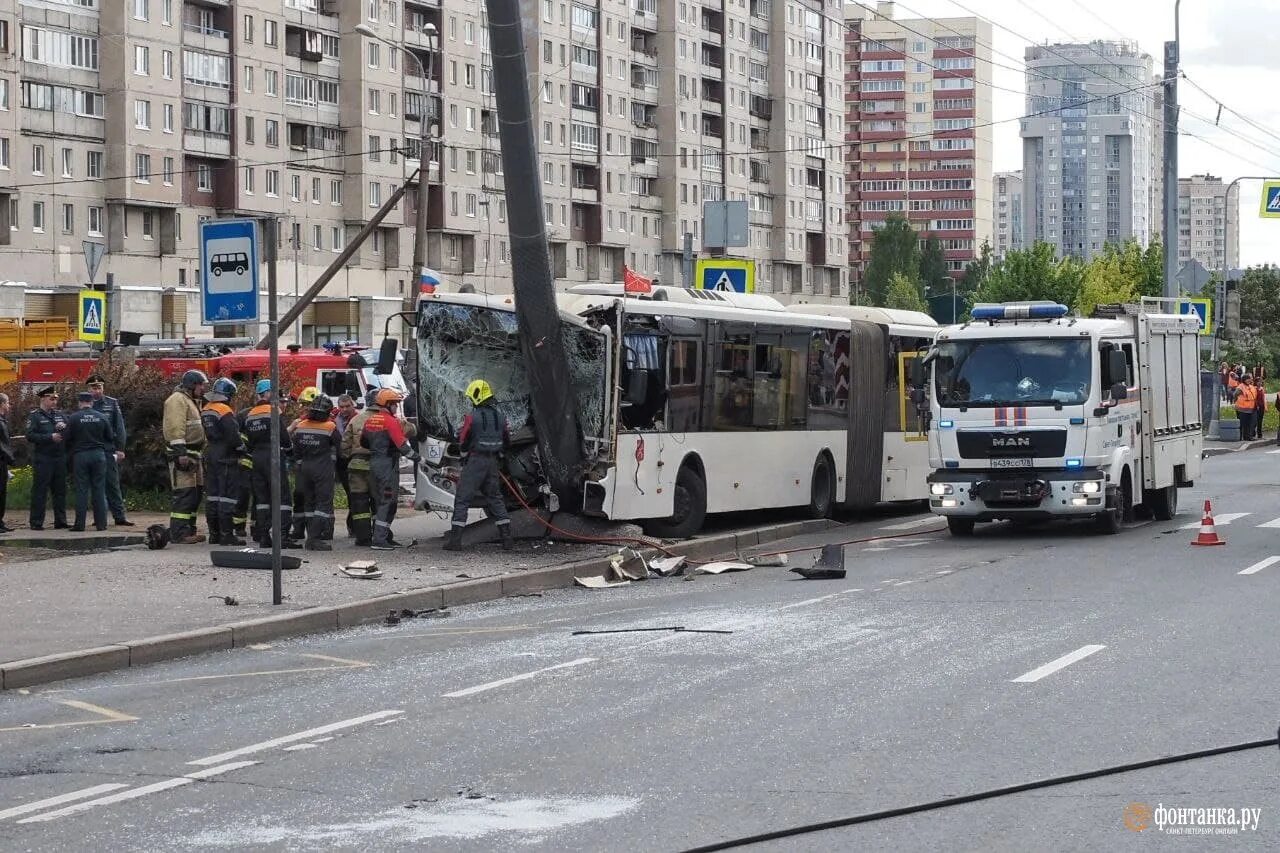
(229, 271)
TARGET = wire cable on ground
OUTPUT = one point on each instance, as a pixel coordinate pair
(982, 795)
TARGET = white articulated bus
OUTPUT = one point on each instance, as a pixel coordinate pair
(690, 402)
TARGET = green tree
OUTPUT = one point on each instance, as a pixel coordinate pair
(1106, 281)
(904, 294)
(977, 270)
(1152, 283)
(1033, 274)
(933, 267)
(895, 248)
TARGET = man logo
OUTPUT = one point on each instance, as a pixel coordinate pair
(1012, 441)
(1137, 817)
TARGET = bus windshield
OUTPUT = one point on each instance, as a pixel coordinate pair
(1012, 372)
(459, 343)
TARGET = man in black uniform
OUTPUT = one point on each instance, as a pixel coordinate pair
(110, 408)
(90, 438)
(484, 435)
(257, 433)
(315, 447)
(47, 433)
(6, 459)
(222, 462)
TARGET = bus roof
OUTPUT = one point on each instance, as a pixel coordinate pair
(881, 316)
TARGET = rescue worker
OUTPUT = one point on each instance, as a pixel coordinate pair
(345, 414)
(222, 462)
(47, 433)
(305, 399)
(484, 435)
(356, 456)
(244, 513)
(257, 432)
(315, 447)
(383, 434)
(1246, 402)
(91, 439)
(184, 442)
(6, 460)
(110, 408)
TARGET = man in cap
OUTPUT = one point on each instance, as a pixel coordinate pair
(6, 459)
(91, 440)
(184, 441)
(47, 433)
(386, 437)
(110, 408)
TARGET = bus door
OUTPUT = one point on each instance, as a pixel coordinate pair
(684, 383)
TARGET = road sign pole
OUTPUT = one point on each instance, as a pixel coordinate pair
(272, 228)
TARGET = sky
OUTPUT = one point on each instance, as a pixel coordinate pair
(1228, 49)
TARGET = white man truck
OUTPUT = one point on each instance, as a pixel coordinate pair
(1039, 415)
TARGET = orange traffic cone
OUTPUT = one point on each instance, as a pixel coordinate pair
(1208, 533)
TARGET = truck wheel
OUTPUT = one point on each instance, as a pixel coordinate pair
(960, 526)
(1112, 520)
(821, 490)
(689, 504)
(1163, 502)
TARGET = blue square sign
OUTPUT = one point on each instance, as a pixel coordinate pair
(229, 271)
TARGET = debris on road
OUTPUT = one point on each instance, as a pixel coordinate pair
(819, 573)
(679, 629)
(767, 561)
(394, 617)
(667, 566)
(599, 582)
(227, 600)
(362, 569)
(251, 558)
(628, 565)
(721, 567)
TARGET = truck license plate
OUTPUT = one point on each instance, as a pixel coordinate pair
(1011, 463)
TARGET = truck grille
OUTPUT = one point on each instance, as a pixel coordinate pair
(988, 444)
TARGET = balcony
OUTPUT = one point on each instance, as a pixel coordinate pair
(205, 144)
(712, 57)
(815, 249)
(206, 38)
(712, 26)
(761, 107)
(712, 91)
(645, 14)
(585, 223)
(713, 126)
(302, 44)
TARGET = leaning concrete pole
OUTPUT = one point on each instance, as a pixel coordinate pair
(546, 362)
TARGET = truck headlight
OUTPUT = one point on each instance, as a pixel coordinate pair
(941, 489)
(1088, 487)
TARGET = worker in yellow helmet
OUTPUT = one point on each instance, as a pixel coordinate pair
(485, 435)
(306, 397)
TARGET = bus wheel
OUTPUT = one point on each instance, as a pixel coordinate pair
(690, 505)
(822, 489)
(960, 526)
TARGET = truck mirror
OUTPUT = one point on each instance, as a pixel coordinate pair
(916, 395)
(387, 357)
(917, 373)
(1117, 367)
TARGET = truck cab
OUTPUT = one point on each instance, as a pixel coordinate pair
(1040, 415)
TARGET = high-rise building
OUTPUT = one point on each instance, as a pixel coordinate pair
(1208, 227)
(1087, 155)
(126, 122)
(1007, 213)
(919, 119)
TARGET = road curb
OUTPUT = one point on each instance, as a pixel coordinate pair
(76, 664)
(1210, 452)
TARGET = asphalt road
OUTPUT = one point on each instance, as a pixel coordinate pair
(936, 668)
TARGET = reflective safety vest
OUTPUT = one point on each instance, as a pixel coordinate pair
(1246, 398)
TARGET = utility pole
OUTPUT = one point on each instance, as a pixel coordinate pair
(1171, 55)
(546, 362)
(272, 227)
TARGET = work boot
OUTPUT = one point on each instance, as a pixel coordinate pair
(230, 539)
(319, 545)
(189, 538)
(363, 543)
(508, 542)
(290, 544)
(452, 539)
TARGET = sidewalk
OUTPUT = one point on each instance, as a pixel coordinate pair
(54, 601)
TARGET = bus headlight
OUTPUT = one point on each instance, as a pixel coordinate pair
(1088, 487)
(941, 489)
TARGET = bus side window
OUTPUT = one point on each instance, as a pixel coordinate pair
(828, 375)
(733, 383)
(684, 386)
(779, 387)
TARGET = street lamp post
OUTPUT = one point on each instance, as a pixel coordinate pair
(424, 141)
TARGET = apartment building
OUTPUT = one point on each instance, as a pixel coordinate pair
(918, 116)
(1208, 227)
(1088, 158)
(1007, 213)
(126, 122)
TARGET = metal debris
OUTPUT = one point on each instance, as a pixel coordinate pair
(667, 566)
(819, 573)
(628, 565)
(721, 567)
(767, 560)
(599, 582)
(362, 570)
(227, 600)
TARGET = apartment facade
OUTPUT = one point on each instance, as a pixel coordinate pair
(1088, 148)
(126, 122)
(1007, 213)
(1208, 227)
(918, 116)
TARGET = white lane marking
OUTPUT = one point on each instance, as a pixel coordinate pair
(913, 523)
(944, 572)
(297, 747)
(135, 793)
(1219, 520)
(1273, 523)
(904, 583)
(281, 741)
(60, 799)
(524, 676)
(1260, 565)
(1270, 452)
(821, 598)
(1061, 663)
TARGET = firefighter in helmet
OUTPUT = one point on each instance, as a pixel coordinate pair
(222, 455)
(184, 442)
(359, 499)
(257, 432)
(484, 436)
(384, 436)
(306, 397)
(315, 447)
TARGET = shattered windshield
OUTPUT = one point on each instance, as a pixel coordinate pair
(459, 343)
(1004, 372)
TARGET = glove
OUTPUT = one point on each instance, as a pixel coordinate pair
(184, 463)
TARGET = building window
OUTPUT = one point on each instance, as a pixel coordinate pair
(317, 237)
(337, 239)
(168, 171)
(248, 130)
(95, 221)
(270, 33)
(37, 216)
(248, 78)
(375, 101)
(142, 115)
(375, 54)
(248, 180)
(37, 159)
(4, 152)
(273, 132)
(66, 163)
(204, 178)
(248, 29)
(68, 219)
(335, 192)
(148, 225)
(141, 60)
(166, 64)
(272, 80)
(375, 194)
(273, 183)
(295, 188)
(315, 190)
(93, 164)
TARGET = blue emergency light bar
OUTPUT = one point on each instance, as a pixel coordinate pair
(1019, 311)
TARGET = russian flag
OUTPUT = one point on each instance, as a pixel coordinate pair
(428, 280)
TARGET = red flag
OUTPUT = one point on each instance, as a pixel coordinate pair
(633, 282)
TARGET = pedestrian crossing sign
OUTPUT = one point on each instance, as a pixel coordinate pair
(93, 316)
(725, 274)
(1270, 200)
